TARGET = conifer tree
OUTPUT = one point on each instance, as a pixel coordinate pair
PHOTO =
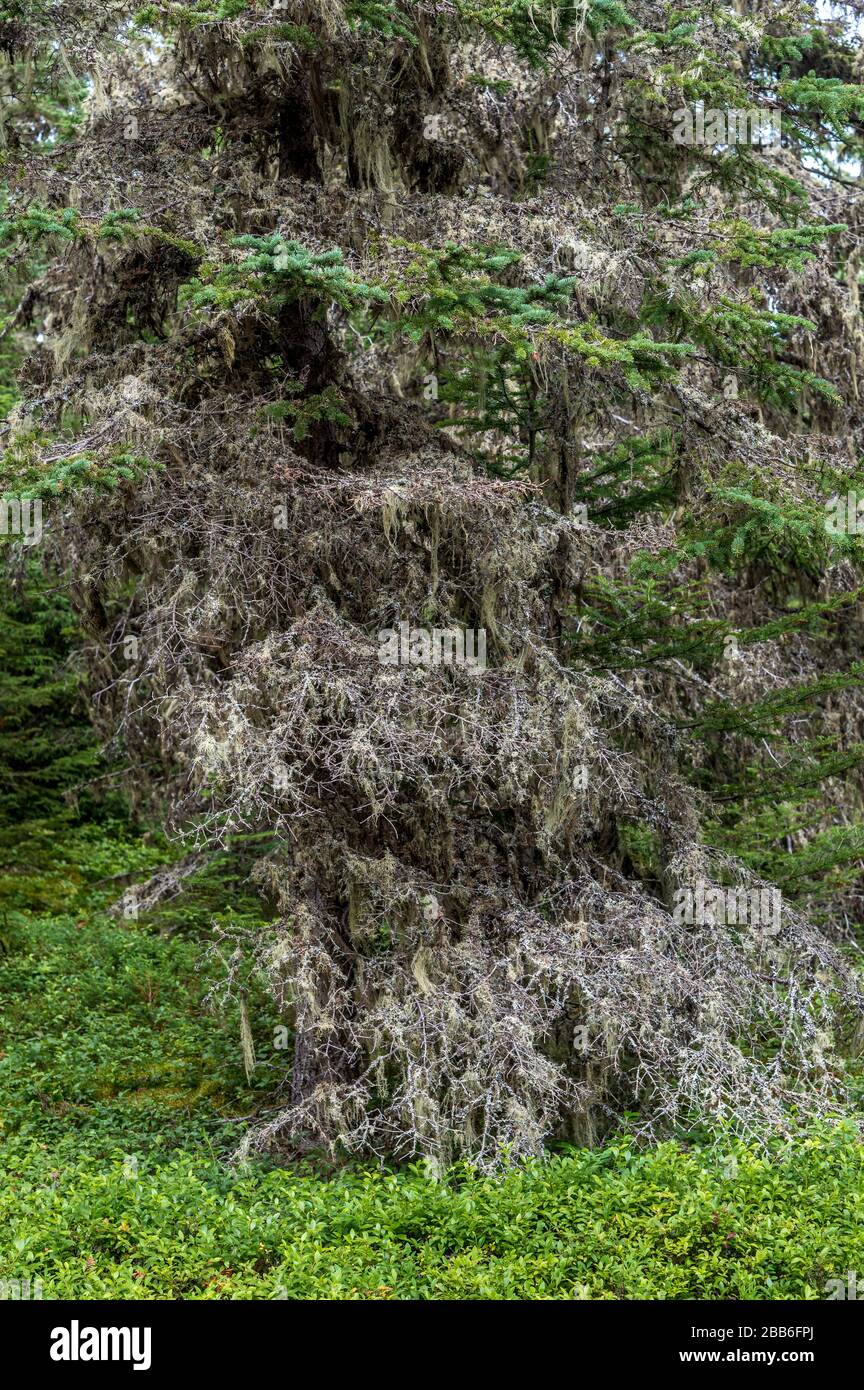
(541, 321)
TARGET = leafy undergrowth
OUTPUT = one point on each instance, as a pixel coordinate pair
(122, 1096)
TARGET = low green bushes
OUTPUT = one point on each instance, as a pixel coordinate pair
(122, 1097)
(607, 1224)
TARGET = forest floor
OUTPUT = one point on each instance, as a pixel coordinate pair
(122, 1097)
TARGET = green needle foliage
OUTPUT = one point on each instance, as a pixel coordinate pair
(48, 753)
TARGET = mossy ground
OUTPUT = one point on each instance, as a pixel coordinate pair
(122, 1098)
